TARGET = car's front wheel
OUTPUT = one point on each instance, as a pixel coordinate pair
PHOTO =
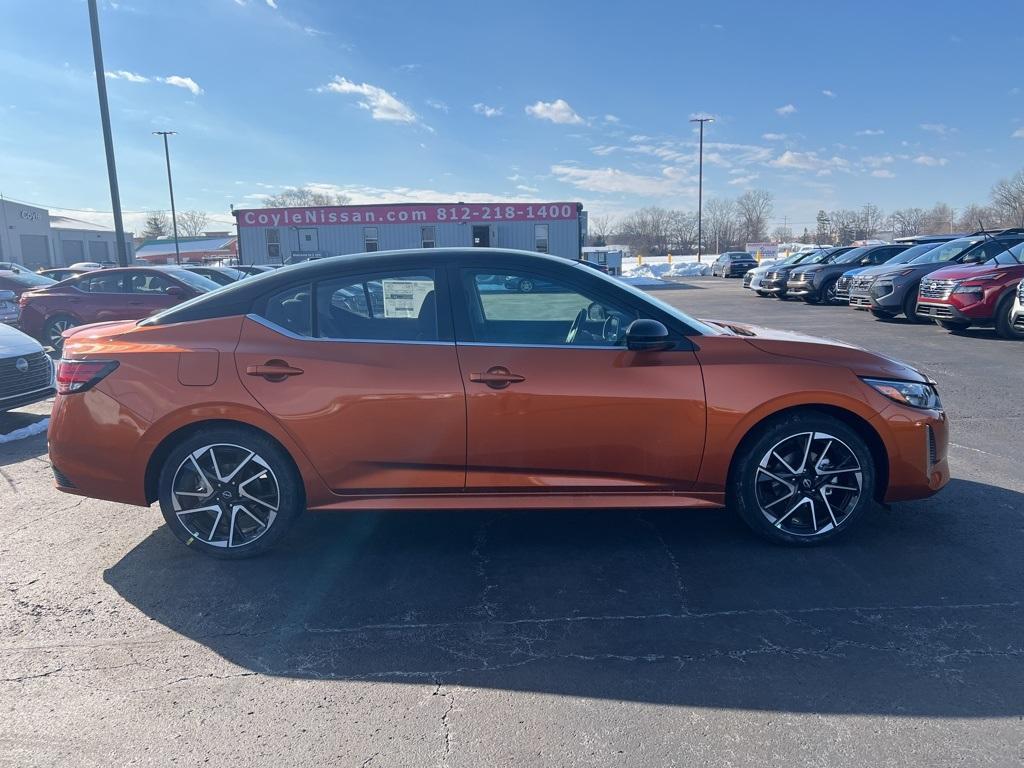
(1004, 318)
(229, 492)
(802, 479)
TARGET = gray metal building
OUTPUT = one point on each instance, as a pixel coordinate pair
(280, 235)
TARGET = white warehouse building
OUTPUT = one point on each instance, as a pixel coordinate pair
(35, 238)
(283, 235)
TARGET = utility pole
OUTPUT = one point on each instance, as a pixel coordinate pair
(108, 141)
(170, 186)
(700, 184)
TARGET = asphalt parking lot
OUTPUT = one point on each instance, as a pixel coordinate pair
(559, 638)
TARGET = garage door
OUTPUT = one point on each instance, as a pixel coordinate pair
(73, 252)
(98, 251)
(35, 251)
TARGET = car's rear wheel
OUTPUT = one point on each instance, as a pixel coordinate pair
(1004, 318)
(54, 328)
(953, 326)
(802, 479)
(229, 492)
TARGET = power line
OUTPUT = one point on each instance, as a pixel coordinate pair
(226, 217)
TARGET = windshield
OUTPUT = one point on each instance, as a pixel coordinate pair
(947, 251)
(817, 257)
(196, 281)
(910, 254)
(1011, 255)
(29, 279)
(849, 257)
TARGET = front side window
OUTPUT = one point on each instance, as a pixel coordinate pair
(148, 282)
(540, 236)
(100, 283)
(369, 239)
(381, 307)
(427, 236)
(520, 307)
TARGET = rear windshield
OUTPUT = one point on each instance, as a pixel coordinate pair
(196, 281)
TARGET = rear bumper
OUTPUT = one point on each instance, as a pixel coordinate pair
(917, 443)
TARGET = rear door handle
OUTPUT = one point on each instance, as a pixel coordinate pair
(273, 370)
(497, 377)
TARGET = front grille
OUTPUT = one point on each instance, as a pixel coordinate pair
(860, 301)
(844, 283)
(773, 276)
(861, 284)
(932, 310)
(747, 280)
(936, 289)
(14, 382)
(933, 450)
(1019, 321)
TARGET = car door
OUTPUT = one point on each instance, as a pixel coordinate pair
(97, 297)
(555, 401)
(361, 370)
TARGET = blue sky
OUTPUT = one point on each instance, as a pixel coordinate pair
(825, 104)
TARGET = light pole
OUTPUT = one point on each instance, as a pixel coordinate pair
(170, 186)
(108, 141)
(700, 184)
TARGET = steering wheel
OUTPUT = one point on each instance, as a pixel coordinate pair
(570, 337)
(610, 330)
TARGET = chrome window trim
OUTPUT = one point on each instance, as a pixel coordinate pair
(298, 337)
(537, 346)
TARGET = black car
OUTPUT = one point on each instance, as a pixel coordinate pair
(733, 264)
(776, 280)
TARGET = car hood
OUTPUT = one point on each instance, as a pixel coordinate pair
(967, 271)
(856, 271)
(14, 342)
(828, 351)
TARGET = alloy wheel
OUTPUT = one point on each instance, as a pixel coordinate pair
(57, 328)
(225, 495)
(808, 484)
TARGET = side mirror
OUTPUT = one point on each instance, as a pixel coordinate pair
(7, 296)
(175, 292)
(648, 336)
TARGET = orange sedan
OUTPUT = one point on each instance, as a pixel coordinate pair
(428, 380)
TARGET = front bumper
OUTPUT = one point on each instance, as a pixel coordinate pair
(800, 288)
(935, 311)
(917, 443)
(777, 287)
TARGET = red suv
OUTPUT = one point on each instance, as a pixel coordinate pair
(981, 293)
(129, 293)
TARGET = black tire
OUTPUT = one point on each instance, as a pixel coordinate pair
(827, 294)
(811, 298)
(1004, 319)
(910, 306)
(953, 326)
(526, 285)
(881, 314)
(764, 295)
(748, 479)
(283, 477)
(54, 327)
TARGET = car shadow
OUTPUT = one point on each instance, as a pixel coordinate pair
(917, 612)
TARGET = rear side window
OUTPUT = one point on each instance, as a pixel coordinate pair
(381, 307)
(147, 282)
(100, 283)
(291, 309)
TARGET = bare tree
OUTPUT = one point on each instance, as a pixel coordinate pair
(600, 228)
(973, 216)
(871, 221)
(938, 219)
(907, 222)
(844, 225)
(682, 231)
(192, 223)
(755, 207)
(721, 224)
(647, 230)
(1008, 199)
(305, 197)
(782, 234)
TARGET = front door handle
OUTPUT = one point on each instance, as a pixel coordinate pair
(497, 377)
(273, 370)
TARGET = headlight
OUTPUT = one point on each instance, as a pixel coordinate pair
(909, 393)
(968, 289)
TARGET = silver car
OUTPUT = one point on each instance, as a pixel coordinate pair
(26, 371)
(8, 308)
(1017, 314)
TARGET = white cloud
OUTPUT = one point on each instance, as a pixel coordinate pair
(528, 190)
(488, 111)
(272, 4)
(787, 109)
(1018, 134)
(939, 128)
(883, 173)
(810, 161)
(739, 181)
(409, 67)
(871, 132)
(557, 111)
(612, 180)
(123, 74)
(773, 136)
(930, 161)
(603, 150)
(611, 119)
(381, 104)
(440, 106)
(828, 93)
(365, 195)
(877, 161)
(182, 82)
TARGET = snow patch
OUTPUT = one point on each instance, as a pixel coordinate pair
(661, 270)
(20, 434)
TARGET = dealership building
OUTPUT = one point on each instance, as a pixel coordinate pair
(35, 238)
(280, 235)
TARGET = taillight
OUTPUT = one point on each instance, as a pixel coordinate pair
(80, 375)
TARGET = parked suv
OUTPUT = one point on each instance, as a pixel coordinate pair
(776, 281)
(891, 289)
(960, 296)
(818, 283)
(733, 264)
(129, 293)
(754, 277)
(850, 276)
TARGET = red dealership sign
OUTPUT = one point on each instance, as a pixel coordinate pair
(406, 213)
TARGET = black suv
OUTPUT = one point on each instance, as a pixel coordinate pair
(818, 283)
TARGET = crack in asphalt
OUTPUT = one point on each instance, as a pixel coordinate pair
(673, 562)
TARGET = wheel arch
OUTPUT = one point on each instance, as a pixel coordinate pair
(879, 453)
(169, 441)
